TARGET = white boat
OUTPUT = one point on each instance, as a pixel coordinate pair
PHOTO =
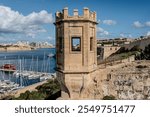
(7, 86)
(47, 76)
(44, 78)
(34, 76)
(50, 55)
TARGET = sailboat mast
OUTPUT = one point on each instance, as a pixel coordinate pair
(37, 64)
(20, 73)
(44, 63)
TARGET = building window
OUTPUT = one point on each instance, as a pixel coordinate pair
(91, 44)
(76, 44)
(60, 44)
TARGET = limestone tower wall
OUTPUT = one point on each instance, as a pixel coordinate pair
(76, 49)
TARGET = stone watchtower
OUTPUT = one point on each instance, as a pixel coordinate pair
(76, 51)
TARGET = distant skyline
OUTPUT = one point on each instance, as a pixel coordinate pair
(32, 20)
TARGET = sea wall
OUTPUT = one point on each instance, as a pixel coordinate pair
(29, 88)
(142, 43)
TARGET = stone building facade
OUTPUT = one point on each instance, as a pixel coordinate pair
(76, 51)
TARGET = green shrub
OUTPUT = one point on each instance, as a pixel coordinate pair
(110, 97)
(43, 91)
(135, 48)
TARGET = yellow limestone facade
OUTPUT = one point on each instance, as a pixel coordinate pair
(76, 51)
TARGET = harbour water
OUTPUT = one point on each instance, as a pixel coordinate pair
(34, 60)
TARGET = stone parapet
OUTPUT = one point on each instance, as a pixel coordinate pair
(87, 15)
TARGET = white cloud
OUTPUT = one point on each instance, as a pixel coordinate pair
(130, 36)
(125, 35)
(147, 23)
(106, 33)
(137, 24)
(101, 31)
(13, 22)
(50, 38)
(109, 22)
(99, 21)
(122, 35)
(148, 33)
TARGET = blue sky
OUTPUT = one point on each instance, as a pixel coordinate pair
(32, 20)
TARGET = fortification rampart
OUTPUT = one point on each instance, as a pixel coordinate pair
(142, 43)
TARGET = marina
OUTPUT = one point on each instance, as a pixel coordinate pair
(21, 69)
(33, 75)
(8, 86)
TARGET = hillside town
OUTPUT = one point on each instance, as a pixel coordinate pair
(24, 45)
